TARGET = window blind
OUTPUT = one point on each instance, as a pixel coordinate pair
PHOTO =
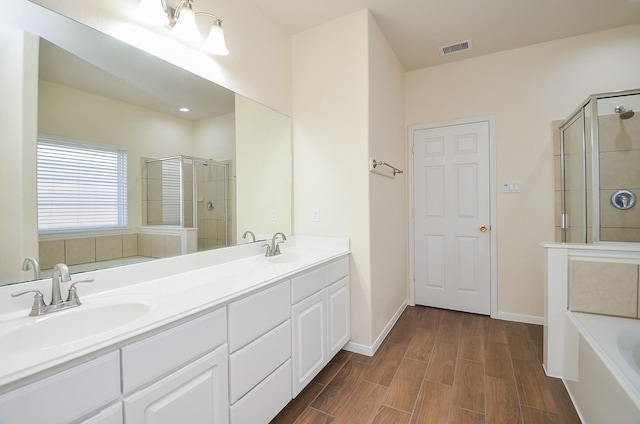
(171, 192)
(81, 186)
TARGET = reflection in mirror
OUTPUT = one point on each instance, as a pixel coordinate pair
(195, 179)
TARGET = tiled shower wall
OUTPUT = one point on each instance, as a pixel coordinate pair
(211, 224)
(619, 159)
(619, 169)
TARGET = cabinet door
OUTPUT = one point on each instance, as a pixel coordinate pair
(195, 394)
(309, 351)
(339, 326)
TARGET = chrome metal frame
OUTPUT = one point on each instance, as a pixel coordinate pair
(590, 104)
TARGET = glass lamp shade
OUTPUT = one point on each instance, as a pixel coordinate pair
(215, 43)
(186, 28)
(151, 11)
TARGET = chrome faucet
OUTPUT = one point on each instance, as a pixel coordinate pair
(253, 236)
(60, 273)
(274, 248)
(32, 263)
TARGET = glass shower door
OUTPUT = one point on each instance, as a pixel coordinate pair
(574, 181)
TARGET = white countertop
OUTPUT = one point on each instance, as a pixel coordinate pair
(190, 284)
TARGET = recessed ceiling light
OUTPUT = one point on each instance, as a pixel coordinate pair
(184, 109)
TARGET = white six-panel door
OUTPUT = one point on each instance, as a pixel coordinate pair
(451, 199)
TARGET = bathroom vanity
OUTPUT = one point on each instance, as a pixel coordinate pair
(228, 343)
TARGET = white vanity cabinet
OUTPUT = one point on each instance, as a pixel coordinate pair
(320, 319)
(67, 396)
(238, 364)
(260, 352)
(179, 375)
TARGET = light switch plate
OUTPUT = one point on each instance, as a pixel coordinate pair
(511, 187)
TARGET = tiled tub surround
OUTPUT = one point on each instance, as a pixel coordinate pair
(604, 286)
(161, 242)
(173, 289)
(587, 350)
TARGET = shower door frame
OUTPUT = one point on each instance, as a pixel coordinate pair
(194, 213)
(591, 104)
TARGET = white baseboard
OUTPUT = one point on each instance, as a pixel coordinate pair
(528, 319)
(371, 350)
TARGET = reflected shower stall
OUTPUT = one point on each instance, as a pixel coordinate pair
(600, 170)
(188, 192)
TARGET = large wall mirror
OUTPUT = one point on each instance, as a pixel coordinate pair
(196, 180)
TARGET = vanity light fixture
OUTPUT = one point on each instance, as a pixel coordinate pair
(182, 22)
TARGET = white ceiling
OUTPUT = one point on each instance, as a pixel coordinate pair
(417, 28)
(414, 28)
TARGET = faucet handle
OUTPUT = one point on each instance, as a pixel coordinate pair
(38, 301)
(73, 293)
(268, 252)
(277, 251)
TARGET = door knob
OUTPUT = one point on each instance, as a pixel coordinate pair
(483, 228)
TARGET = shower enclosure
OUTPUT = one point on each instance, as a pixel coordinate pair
(600, 170)
(189, 192)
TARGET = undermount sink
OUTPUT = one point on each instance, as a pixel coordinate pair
(70, 325)
(285, 257)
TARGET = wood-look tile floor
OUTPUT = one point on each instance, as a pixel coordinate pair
(438, 366)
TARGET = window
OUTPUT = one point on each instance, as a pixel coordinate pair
(81, 186)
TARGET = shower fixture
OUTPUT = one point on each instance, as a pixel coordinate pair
(624, 113)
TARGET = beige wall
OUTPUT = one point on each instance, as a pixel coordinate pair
(387, 202)
(330, 147)
(525, 89)
(263, 168)
(348, 104)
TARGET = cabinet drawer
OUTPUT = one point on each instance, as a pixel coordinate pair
(65, 397)
(337, 270)
(111, 415)
(307, 284)
(151, 358)
(195, 394)
(264, 402)
(255, 315)
(251, 364)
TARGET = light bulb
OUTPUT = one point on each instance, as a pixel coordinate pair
(215, 41)
(151, 11)
(186, 27)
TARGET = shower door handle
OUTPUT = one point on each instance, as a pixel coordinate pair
(483, 228)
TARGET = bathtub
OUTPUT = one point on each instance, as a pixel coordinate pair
(602, 368)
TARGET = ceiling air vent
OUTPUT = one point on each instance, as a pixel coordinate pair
(455, 48)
